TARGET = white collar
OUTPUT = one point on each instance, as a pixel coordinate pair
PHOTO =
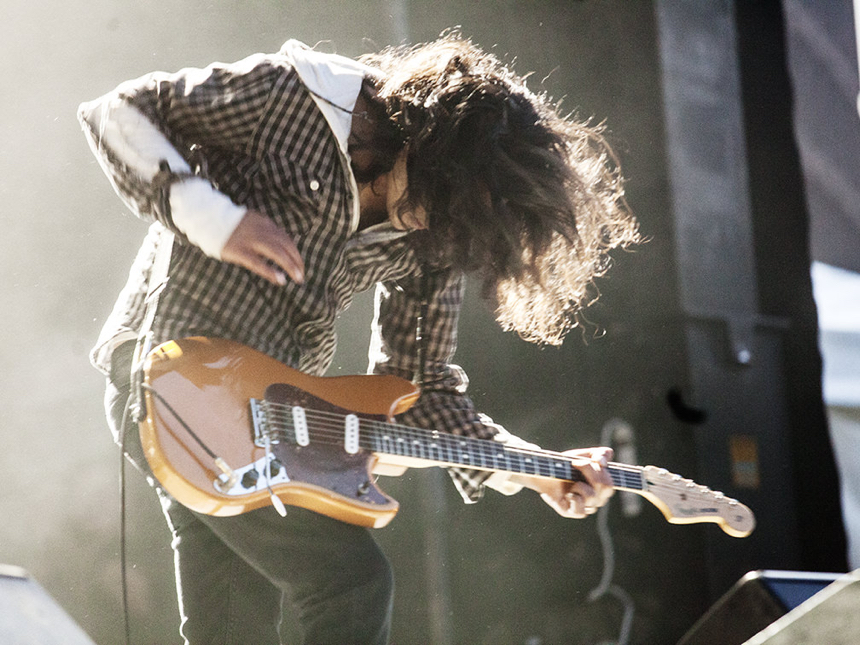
(333, 80)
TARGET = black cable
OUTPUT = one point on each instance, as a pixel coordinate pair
(176, 416)
(122, 521)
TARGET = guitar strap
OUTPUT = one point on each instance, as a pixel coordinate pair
(135, 407)
(161, 182)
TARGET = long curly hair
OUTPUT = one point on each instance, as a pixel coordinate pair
(530, 199)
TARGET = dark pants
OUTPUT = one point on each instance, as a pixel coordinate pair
(233, 572)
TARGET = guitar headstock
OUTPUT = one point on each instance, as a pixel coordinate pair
(683, 501)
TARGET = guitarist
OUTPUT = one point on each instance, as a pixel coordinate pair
(291, 181)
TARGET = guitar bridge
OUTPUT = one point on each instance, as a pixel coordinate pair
(258, 421)
(282, 423)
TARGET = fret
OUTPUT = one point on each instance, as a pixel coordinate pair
(381, 442)
(482, 456)
(545, 466)
(434, 452)
(513, 460)
(561, 469)
(475, 453)
(416, 449)
(500, 459)
(464, 458)
(624, 476)
(483, 452)
(451, 442)
(528, 465)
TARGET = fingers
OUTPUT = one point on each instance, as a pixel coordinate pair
(261, 246)
(569, 504)
(592, 464)
(274, 273)
(580, 505)
(277, 258)
(583, 498)
(576, 500)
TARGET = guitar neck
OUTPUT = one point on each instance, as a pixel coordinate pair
(444, 449)
(681, 501)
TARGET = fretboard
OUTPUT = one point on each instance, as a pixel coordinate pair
(442, 449)
(482, 454)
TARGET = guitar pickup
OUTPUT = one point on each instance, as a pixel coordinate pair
(277, 424)
(350, 434)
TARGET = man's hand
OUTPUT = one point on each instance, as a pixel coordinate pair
(578, 499)
(261, 246)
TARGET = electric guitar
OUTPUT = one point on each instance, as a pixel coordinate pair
(228, 429)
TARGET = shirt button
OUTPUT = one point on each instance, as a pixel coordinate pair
(315, 185)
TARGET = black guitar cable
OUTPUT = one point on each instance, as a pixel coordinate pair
(229, 476)
(230, 479)
(122, 521)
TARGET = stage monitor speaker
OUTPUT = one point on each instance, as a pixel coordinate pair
(29, 616)
(830, 617)
(753, 603)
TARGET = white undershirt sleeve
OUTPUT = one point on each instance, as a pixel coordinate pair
(206, 216)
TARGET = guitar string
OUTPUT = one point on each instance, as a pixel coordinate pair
(335, 422)
(332, 431)
(329, 429)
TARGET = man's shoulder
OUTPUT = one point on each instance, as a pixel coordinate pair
(258, 64)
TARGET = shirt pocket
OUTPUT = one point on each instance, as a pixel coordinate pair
(288, 194)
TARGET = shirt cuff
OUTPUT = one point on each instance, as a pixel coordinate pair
(501, 482)
(206, 216)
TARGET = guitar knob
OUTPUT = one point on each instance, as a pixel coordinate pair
(249, 479)
(275, 467)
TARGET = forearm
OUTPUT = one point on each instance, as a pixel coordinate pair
(153, 178)
(176, 121)
(444, 404)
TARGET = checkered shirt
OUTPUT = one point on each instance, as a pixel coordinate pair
(256, 133)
